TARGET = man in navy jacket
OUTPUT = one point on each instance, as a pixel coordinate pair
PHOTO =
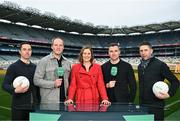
(150, 71)
(22, 97)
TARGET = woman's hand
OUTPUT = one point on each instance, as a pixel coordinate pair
(106, 102)
(68, 102)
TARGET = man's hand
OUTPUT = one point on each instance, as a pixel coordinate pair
(57, 83)
(111, 84)
(162, 95)
(20, 89)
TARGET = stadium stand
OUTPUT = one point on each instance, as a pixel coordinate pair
(165, 44)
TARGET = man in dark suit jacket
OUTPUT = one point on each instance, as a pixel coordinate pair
(150, 71)
(120, 87)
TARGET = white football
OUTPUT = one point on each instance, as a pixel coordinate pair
(160, 86)
(21, 80)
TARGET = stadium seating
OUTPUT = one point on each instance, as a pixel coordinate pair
(166, 45)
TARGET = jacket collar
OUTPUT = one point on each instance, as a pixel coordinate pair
(52, 56)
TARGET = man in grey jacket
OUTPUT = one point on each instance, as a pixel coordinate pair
(53, 88)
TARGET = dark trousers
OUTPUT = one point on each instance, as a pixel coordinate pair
(158, 113)
(20, 115)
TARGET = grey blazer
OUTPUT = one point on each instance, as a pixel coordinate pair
(45, 75)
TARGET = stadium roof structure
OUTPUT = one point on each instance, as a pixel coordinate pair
(32, 17)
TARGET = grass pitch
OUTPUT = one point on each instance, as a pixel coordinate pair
(172, 104)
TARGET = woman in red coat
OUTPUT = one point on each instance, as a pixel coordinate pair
(87, 85)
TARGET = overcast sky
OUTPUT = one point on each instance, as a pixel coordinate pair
(109, 12)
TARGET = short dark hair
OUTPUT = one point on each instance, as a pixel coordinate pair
(145, 43)
(23, 43)
(81, 54)
(114, 44)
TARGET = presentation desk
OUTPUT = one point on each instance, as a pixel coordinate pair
(90, 112)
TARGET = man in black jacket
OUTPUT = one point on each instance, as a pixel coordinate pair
(150, 71)
(119, 77)
(22, 96)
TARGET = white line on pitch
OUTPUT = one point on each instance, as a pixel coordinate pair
(5, 108)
